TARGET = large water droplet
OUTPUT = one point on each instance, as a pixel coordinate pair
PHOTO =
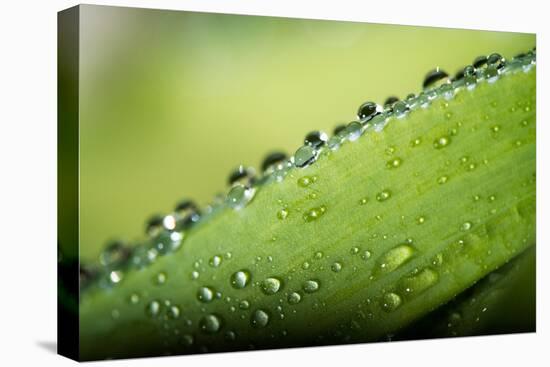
(241, 175)
(294, 298)
(336, 267)
(215, 261)
(368, 110)
(496, 60)
(418, 282)
(316, 139)
(272, 160)
(271, 286)
(390, 302)
(205, 294)
(240, 279)
(210, 324)
(305, 156)
(393, 259)
(173, 312)
(435, 77)
(479, 62)
(314, 213)
(354, 130)
(400, 109)
(390, 100)
(310, 286)
(260, 318)
(239, 196)
(244, 305)
(153, 308)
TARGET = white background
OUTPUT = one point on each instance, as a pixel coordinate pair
(28, 182)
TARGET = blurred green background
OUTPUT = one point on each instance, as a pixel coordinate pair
(171, 101)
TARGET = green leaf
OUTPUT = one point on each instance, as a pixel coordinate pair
(367, 240)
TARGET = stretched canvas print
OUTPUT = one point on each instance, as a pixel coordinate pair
(231, 183)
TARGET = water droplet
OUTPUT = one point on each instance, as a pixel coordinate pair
(339, 129)
(134, 298)
(442, 142)
(240, 279)
(442, 179)
(160, 278)
(305, 265)
(368, 110)
(492, 198)
(314, 213)
(186, 212)
(243, 176)
(310, 286)
(244, 305)
(363, 201)
(400, 109)
(390, 302)
(491, 74)
(479, 62)
(116, 253)
(205, 294)
(496, 60)
(271, 286)
(383, 195)
(194, 275)
(393, 259)
(305, 156)
(154, 225)
(394, 163)
(187, 340)
(306, 181)
(115, 276)
(215, 261)
(466, 226)
(294, 298)
(282, 214)
(230, 335)
(173, 312)
(420, 220)
(390, 100)
(418, 282)
(354, 250)
(153, 308)
(416, 142)
(336, 267)
(366, 255)
(354, 130)
(434, 78)
(260, 318)
(239, 196)
(210, 324)
(316, 139)
(273, 160)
